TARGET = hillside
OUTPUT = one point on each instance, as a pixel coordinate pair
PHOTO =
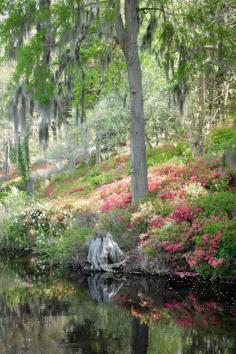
(185, 226)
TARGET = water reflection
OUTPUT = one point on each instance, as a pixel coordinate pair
(103, 287)
(102, 314)
(140, 337)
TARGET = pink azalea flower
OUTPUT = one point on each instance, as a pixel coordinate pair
(215, 262)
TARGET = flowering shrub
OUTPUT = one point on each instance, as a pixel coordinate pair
(171, 247)
(156, 222)
(114, 187)
(168, 195)
(115, 195)
(191, 226)
(182, 214)
(142, 214)
(116, 200)
(184, 221)
(205, 251)
(153, 185)
(188, 222)
(194, 190)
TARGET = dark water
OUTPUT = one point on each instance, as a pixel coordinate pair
(49, 314)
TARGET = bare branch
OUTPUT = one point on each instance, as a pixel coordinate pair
(146, 9)
(119, 26)
(93, 3)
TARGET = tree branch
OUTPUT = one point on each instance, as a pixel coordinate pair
(93, 3)
(146, 9)
(119, 26)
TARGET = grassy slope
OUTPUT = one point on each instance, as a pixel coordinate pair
(185, 223)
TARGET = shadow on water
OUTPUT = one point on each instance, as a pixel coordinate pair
(103, 314)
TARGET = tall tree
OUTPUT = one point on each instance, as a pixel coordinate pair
(127, 34)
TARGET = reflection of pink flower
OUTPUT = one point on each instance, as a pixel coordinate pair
(205, 320)
(174, 305)
(233, 311)
(184, 322)
(212, 306)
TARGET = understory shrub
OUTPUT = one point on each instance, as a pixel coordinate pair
(217, 203)
(49, 235)
(222, 139)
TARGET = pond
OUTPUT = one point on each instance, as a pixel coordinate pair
(52, 313)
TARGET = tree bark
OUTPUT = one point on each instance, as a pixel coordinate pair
(97, 151)
(15, 117)
(201, 121)
(6, 159)
(127, 36)
(83, 119)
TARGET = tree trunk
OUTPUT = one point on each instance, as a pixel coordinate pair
(6, 159)
(127, 37)
(83, 120)
(201, 121)
(15, 118)
(97, 152)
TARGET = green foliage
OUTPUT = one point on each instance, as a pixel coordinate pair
(14, 239)
(21, 156)
(49, 237)
(170, 232)
(162, 208)
(3, 194)
(12, 155)
(14, 200)
(227, 247)
(218, 185)
(23, 163)
(160, 155)
(222, 139)
(183, 151)
(62, 248)
(217, 203)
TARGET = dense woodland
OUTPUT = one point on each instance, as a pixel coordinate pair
(120, 115)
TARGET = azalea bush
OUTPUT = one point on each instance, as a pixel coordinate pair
(188, 225)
